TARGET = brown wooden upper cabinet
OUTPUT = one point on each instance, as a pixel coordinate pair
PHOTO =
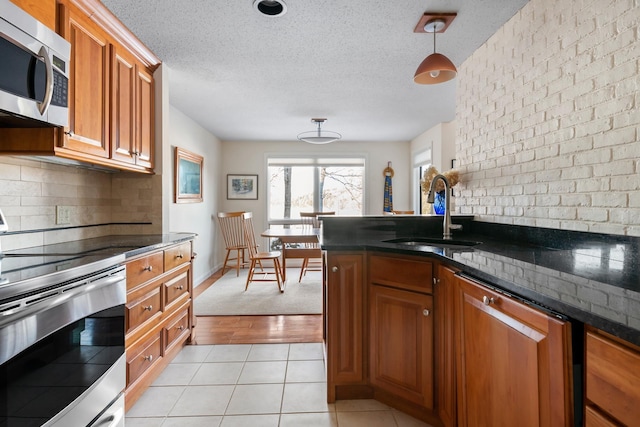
(115, 122)
(111, 94)
(43, 10)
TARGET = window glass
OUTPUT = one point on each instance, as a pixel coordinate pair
(315, 184)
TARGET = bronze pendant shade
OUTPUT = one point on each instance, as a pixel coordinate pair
(436, 68)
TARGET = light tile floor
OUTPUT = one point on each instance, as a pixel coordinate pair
(253, 385)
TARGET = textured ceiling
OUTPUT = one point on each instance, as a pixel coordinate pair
(245, 76)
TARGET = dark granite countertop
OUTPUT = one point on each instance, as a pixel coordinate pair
(588, 277)
(17, 266)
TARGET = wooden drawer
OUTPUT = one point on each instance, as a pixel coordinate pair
(175, 287)
(143, 309)
(177, 329)
(177, 255)
(612, 377)
(400, 272)
(593, 418)
(144, 269)
(143, 356)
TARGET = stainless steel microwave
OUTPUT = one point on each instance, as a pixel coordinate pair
(34, 71)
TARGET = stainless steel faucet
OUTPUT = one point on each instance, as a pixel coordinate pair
(447, 226)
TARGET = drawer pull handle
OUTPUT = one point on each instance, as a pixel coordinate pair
(426, 312)
(486, 300)
(179, 256)
(148, 268)
(148, 358)
(334, 269)
(149, 308)
(180, 328)
(180, 287)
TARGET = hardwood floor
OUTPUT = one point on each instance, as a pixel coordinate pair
(254, 329)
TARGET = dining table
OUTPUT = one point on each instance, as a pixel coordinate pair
(297, 242)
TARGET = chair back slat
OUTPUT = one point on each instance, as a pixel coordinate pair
(249, 233)
(231, 227)
(310, 219)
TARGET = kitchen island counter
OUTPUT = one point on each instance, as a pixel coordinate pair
(588, 277)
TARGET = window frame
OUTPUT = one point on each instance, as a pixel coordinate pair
(315, 160)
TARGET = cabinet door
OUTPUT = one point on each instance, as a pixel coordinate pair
(43, 10)
(344, 317)
(513, 364)
(88, 130)
(401, 343)
(123, 90)
(145, 143)
(444, 345)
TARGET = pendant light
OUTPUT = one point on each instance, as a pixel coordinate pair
(436, 68)
(319, 136)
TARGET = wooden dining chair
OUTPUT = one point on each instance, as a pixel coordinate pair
(313, 262)
(234, 241)
(256, 257)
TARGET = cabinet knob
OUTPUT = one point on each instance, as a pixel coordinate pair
(179, 256)
(180, 287)
(148, 358)
(436, 280)
(69, 134)
(426, 312)
(148, 308)
(486, 300)
(334, 269)
(180, 328)
(148, 268)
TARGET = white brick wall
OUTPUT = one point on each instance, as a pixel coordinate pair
(548, 114)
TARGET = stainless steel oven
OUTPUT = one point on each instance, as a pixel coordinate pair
(62, 359)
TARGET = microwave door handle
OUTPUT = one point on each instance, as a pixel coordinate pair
(48, 93)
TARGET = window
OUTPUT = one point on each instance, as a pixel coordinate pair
(421, 162)
(314, 185)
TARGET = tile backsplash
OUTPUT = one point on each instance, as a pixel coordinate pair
(31, 191)
(548, 119)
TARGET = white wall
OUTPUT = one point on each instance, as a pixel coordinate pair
(547, 113)
(197, 218)
(250, 158)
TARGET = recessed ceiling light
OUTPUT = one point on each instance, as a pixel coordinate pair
(271, 8)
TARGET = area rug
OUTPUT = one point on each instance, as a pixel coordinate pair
(227, 297)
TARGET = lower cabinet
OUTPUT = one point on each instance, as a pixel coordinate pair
(445, 378)
(401, 344)
(158, 314)
(513, 361)
(612, 381)
(401, 329)
(345, 320)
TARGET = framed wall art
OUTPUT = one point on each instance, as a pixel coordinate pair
(242, 187)
(187, 177)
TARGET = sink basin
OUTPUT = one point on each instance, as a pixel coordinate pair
(427, 241)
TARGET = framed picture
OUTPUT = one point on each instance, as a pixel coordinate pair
(187, 177)
(243, 187)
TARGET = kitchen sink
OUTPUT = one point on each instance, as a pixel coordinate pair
(435, 241)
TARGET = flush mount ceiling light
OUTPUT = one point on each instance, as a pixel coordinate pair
(436, 68)
(271, 8)
(319, 136)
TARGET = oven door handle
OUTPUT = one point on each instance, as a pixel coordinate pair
(112, 420)
(50, 299)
